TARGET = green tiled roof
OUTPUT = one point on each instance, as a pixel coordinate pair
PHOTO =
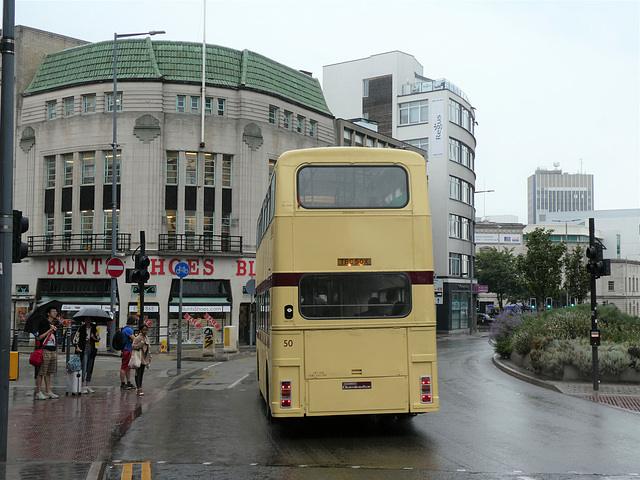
(143, 59)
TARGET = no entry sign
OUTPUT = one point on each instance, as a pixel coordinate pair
(115, 267)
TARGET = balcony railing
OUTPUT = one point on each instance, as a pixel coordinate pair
(430, 86)
(200, 243)
(78, 242)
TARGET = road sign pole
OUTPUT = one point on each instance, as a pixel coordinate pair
(182, 270)
(179, 357)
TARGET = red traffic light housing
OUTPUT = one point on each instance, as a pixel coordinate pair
(20, 225)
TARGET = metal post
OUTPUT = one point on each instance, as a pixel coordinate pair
(594, 310)
(179, 357)
(114, 189)
(6, 213)
(114, 185)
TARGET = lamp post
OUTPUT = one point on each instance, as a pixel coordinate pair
(114, 186)
(472, 223)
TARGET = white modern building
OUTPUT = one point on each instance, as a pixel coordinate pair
(551, 191)
(192, 168)
(391, 90)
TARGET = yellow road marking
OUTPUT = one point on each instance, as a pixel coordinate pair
(127, 470)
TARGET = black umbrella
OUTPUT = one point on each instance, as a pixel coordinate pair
(38, 313)
(97, 314)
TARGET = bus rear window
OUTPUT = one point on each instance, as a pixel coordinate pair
(354, 295)
(347, 186)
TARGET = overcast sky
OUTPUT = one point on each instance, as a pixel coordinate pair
(552, 82)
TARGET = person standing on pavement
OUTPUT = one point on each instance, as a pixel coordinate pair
(125, 371)
(85, 341)
(47, 329)
(141, 343)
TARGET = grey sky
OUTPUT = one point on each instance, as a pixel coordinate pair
(551, 81)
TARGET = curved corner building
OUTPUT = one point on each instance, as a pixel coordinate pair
(193, 165)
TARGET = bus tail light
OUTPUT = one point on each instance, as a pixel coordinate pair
(425, 390)
(285, 394)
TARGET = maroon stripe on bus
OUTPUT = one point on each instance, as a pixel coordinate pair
(293, 279)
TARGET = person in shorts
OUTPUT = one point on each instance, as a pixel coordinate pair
(125, 371)
(47, 334)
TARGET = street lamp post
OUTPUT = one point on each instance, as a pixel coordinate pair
(114, 186)
(472, 223)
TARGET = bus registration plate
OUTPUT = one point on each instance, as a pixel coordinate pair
(353, 262)
(356, 385)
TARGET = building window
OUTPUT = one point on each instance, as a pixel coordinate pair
(67, 224)
(67, 160)
(190, 230)
(195, 104)
(88, 168)
(422, 143)
(454, 112)
(225, 225)
(171, 169)
(108, 167)
(209, 169)
(286, 121)
(454, 188)
(208, 106)
(107, 217)
(346, 137)
(313, 129)
(88, 104)
(227, 161)
(365, 88)
(612, 285)
(359, 141)
(464, 261)
(181, 102)
(110, 101)
(86, 223)
(172, 228)
(369, 142)
(454, 264)
(300, 127)
(50, 165)
(191, 169)
(414, 112)
(49, 225)
(69, 106)
(222, 107)
(273, 115)
(454, 226)
(465, 224)
(51, 110)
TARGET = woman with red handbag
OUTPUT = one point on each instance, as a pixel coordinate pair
(47, 334)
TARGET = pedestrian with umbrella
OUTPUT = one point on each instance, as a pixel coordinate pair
(85, 341)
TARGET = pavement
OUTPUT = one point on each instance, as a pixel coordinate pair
(72, 437)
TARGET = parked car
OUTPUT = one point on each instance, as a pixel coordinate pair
(484, 319)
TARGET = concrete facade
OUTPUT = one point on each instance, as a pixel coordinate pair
(204, 215)
(436, 116)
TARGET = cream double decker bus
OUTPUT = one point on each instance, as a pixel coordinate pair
(344, 273)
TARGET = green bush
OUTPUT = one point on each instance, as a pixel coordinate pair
(555, 338)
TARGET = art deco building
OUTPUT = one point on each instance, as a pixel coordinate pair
(192, 166)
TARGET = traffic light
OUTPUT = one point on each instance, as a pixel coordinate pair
(532, 302)
(142, 266)
(139, 274)
(573, 301)
(597, 266)
(549, 303)
(20, 226)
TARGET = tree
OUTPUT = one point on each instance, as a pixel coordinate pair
(577, 280)
(541, 266)
(497, 269)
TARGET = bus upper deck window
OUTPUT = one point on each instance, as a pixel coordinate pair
(347, 186)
